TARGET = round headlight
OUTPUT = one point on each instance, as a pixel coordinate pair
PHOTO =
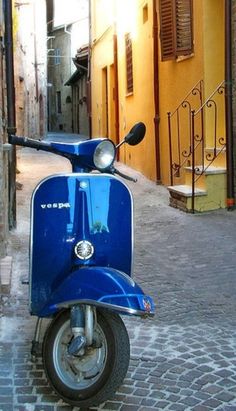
(104, 154)
(84, 250)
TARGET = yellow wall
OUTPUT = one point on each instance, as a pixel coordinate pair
(214, 68)
(140, 105)
(176, 78)
(132, 108)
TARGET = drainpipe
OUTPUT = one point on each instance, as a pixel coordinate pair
(116, 90)
(89, 88)
(35, 57)
(228, 106)
(11, 114)
(156, 92)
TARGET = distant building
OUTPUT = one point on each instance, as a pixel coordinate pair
(30, 65)
(29, 39)
(78, 83)
(68, 30)
(3, 153)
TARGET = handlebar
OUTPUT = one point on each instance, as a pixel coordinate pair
(115, 171)
(46, 146)
(38, 145)
(29, 142)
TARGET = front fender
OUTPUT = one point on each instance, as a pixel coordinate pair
(100, 286)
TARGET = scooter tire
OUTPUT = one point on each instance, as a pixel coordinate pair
(113, 359)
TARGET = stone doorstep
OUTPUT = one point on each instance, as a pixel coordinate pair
(5, 274)
(186, 190)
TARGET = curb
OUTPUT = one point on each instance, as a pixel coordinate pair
(5, 274)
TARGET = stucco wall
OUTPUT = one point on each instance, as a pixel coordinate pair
(58, 73)
(176, 77)
(3, 155)
(138, 106)
(234, 84)
(30, 68)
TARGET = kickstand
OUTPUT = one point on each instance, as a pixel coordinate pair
(35, 348)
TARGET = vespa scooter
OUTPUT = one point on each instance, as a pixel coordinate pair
(81, 263)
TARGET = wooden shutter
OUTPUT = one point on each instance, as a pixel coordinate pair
(176, 28)
(129, 63)
(184, 31)
(167, 29)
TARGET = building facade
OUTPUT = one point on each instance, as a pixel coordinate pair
(79, 91)
(158, 61)
(28, 23)
(67, 31)
(30, 65)
(233, 60)
(3, 152)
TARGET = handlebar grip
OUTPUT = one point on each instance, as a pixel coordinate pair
(134, 180)
(29, 142)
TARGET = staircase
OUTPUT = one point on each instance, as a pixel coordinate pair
(197, 148)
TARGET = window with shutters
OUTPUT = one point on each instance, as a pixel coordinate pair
(176, 28)
(129, 63)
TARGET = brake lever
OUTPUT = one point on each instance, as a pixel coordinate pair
(115, 171)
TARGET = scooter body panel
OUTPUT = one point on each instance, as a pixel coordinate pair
(66, 209)
(99, 286)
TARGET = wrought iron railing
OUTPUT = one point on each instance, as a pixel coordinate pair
(213, 111)
(179, 128)
(188, 127)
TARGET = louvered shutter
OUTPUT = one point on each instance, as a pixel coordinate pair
(183, 17)
(167, 29)
(129, 63)
(176, 31)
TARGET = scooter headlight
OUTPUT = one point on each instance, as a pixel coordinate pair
(84, 250)
(104, 154)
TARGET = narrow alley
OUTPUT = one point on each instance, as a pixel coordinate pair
(184, 358)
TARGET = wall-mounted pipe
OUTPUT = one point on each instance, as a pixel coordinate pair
(228, 106)
(156, 91)
(89, 88)
(11, 114)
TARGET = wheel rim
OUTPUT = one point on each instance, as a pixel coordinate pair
(79, 372)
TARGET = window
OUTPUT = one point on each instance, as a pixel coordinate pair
(57, 57)
(58, 102)
(176, 26)
(129, 63)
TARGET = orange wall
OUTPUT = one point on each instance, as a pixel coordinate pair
(140, 105)
(176, 78)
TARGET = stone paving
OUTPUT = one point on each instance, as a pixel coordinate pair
(184, 358)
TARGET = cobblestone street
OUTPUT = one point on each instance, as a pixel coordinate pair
(184, 358)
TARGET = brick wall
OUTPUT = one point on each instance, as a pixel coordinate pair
(30, 64)
(3, 154)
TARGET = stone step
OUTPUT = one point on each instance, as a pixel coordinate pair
(186, 190)
(5, 274)
(181, 196)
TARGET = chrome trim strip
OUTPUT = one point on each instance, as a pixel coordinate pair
(114, 307)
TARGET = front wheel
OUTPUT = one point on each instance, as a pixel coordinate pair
(92, 378)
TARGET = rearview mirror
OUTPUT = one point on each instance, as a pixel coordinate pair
(136, 134)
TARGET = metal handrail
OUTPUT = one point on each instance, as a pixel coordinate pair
(192, 91)
(219, 142)
(219, 87)
(197, 142)
(182, 154)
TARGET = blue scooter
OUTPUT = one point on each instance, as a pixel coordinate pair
(81, 264)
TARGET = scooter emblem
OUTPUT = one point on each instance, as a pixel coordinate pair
(55, 205)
